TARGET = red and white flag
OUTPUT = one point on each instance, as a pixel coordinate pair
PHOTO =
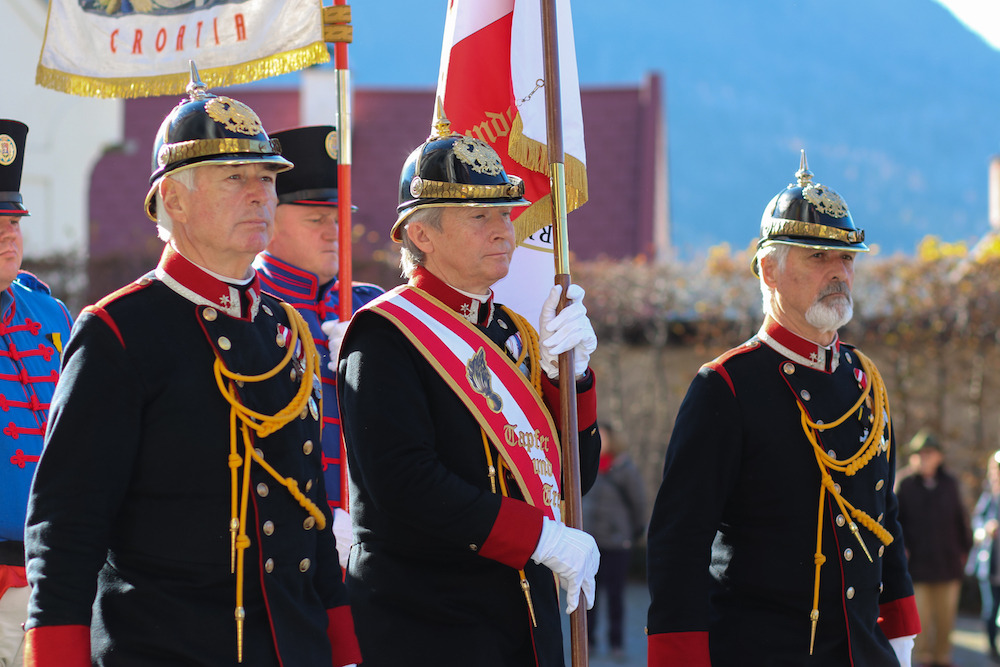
(491, 84)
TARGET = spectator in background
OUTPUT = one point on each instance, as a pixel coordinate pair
(937, 537)
(985, 563)
(614, 512)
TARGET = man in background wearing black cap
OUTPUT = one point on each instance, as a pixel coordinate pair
(300, 266)
(938, 538)
(178, 515)
(774, 538)
(33, 328)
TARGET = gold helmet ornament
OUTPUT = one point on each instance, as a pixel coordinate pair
(450, 169)
(206, 128)
(809, 215)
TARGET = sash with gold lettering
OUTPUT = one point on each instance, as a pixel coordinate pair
(506, 406)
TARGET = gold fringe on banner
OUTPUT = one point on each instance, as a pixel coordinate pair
(174, 84)
(535, 156)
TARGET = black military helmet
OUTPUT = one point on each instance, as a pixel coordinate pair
(450, 169)
(810, 215)
(12, 137)
(208, 128)
(313, 182)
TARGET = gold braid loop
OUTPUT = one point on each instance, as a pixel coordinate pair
(529, 347)
(263, 425)
(879, 438)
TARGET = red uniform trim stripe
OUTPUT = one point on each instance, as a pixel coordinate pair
(57, 646)
(103, 314)
(586, 403)
(678, 649)
(514, 535)
(899, 618)
(343, 641)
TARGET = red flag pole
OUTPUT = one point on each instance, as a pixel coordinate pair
(344, 208)
(567, 380)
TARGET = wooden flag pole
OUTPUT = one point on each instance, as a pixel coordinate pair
(567, 380)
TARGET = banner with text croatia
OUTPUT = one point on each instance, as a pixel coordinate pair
(490, 83)
(141, 48)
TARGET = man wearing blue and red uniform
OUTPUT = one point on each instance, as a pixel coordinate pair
(300, 266)
(33, 327)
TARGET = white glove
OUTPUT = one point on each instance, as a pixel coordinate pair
(903, 646)
(345, 536)
(569, 330)
(334, 330)
(573, 555)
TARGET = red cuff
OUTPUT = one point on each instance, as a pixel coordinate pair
(899, 618)
(586, 402)
(678, 649)
(514, 535)
(57, 646)
(343, 641)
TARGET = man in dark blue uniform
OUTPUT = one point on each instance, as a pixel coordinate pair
(774, 538)
(300, 266)
(448, 401)
(33, 328)
(179, 515)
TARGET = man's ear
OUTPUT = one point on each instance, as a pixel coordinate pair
(173, 199)
(768, 271)
(420, 235)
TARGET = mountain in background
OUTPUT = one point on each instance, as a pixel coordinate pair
(895, 102)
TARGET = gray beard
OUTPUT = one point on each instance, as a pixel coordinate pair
(827, 317)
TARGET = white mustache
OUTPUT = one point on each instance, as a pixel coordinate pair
(837, 287)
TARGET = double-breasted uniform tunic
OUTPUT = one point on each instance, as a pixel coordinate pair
(130, 509)
(433, 575)
(317, 303)
(733, 537)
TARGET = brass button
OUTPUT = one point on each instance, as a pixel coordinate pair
(788, 367)
(280, 339)
(309, 485)
(309, 523)
(848, 554)
(269, 565)
(879, 485)
(293, 375)
(313, 408)
(805, 395)
(304, 565)
(267, 310)
(841, 520)
(836, 487)
(304, 413)
(848, 355)
(307, 447)
(239, 383)
(880, 587)
(881, 550)
(224, 343)
(262, 490)
(259, 452)
(850, 592)
(879, 519)
(473, 547)
(268, 527)
(210, 314)
(832, 453)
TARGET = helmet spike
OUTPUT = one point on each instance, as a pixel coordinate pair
(196, 89)
(803, 174)
(441, 127)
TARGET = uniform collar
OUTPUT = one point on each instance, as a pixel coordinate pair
(291, 281)
(798, 349)
(475, 310)
(197, 285)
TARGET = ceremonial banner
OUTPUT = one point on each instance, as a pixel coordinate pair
(490, 82)
(141, 48)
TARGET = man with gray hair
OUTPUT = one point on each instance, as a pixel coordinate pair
(782, 461)
(449, 405)
(178, 514)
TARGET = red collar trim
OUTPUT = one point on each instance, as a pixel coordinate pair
(798, 349)
(190, 281)
(471, 309)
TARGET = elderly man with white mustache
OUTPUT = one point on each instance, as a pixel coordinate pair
(774, 538)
